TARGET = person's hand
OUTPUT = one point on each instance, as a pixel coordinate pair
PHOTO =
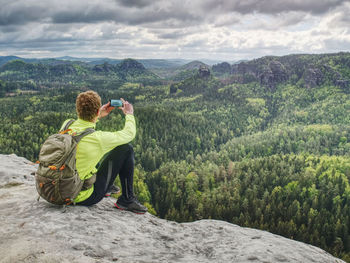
(127, 107)
(105, 110)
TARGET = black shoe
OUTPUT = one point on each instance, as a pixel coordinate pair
(133, 206)
(112, 190)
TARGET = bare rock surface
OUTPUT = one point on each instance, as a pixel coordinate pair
(34, 231)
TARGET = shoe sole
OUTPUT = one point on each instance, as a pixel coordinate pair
(126, 209)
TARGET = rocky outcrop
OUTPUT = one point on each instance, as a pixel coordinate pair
(204, 72)
(310, 71)
(33, 231)
(245, 68)
(343, 83)
(313, 77)
(188, 70)
(279, 71)
(173, 88)
(338, 79)
(268, 73)
(193, 65)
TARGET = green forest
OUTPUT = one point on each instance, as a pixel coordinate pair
(263, 144)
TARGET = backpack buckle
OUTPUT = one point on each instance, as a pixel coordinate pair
(65, 131)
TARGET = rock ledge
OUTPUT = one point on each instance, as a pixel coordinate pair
(34, 231)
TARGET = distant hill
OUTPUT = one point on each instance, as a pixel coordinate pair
(201, 81)
(5, 59)
(130, 69)
(46, 61)
(305, 70)
(193, 65)
(301, 69)
(187, 70)
(163, 63)
(148, 63)
(177, 69)
(50, 70)
(164, 68)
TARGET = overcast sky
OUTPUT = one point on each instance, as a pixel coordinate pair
(214, 29)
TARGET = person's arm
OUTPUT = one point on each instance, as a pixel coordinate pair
(110, 140)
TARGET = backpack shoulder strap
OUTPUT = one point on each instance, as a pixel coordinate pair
(67, 125)
(78, 137)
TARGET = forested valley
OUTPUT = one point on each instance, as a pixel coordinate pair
(264, 143)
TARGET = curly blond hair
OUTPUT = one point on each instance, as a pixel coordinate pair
(87, 105)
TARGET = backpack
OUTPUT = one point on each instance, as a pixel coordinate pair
(57, 179)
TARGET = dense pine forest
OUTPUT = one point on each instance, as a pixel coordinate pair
(263, 143)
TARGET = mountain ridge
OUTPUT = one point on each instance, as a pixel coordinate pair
(126, 70)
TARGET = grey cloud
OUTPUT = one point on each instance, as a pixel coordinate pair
(319, 33)
(77, 17)
(55, 11)
(122, 15)
(91, 14)
(272, 6)
(138, 12)
(130, 12)
(135, 3)
(151, 42)
(10, 28)
(62, 28)
(333, 45)
(291, 19)
(278, 22)
(57, 45)
(38, 45)
(196, 43)
(342, 19)
(17, 13)
(173, 35)
(222, 21)
(41, 25)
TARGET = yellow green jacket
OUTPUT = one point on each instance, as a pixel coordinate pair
(94, 146)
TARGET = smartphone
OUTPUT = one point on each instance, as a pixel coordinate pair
(116, 103)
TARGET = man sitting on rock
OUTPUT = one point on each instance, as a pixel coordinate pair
(105, 154)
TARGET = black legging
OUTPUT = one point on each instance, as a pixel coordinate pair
(120, 161)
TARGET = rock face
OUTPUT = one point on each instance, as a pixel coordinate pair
(311, 71)
(313, 77)
(203, 72)
(276, 73)
(34, 231)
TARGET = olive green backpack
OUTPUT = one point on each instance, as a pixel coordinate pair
(57, 179)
